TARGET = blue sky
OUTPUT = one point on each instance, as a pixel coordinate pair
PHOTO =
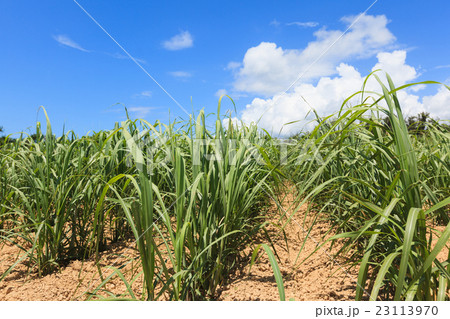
(52, 54)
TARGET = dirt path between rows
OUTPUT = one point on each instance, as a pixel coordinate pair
(320, 277)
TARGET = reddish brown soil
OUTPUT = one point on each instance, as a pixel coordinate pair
(436, 233)
(72, 282)
(320, 277)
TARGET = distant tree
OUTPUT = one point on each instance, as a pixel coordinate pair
(419, 124)
(1, 137)
(34, 137)
(445, 127)
(387, 122)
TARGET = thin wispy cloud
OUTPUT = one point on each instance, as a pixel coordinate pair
(180, 74)
(124, 57)
(233, 65)
(140, 111)
(143, 94)
(275, 23)
(146, 93)
(220, 92)
(309, 24)
(68, 42)
(183, 40)
(443, 66)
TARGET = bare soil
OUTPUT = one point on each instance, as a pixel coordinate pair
(73, 282)
(318, 277)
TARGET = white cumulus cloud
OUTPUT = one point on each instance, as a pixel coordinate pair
(438, 104)
(183, 40)
(268, 69)
(394, 64)
(234, 121)
(327, 96)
